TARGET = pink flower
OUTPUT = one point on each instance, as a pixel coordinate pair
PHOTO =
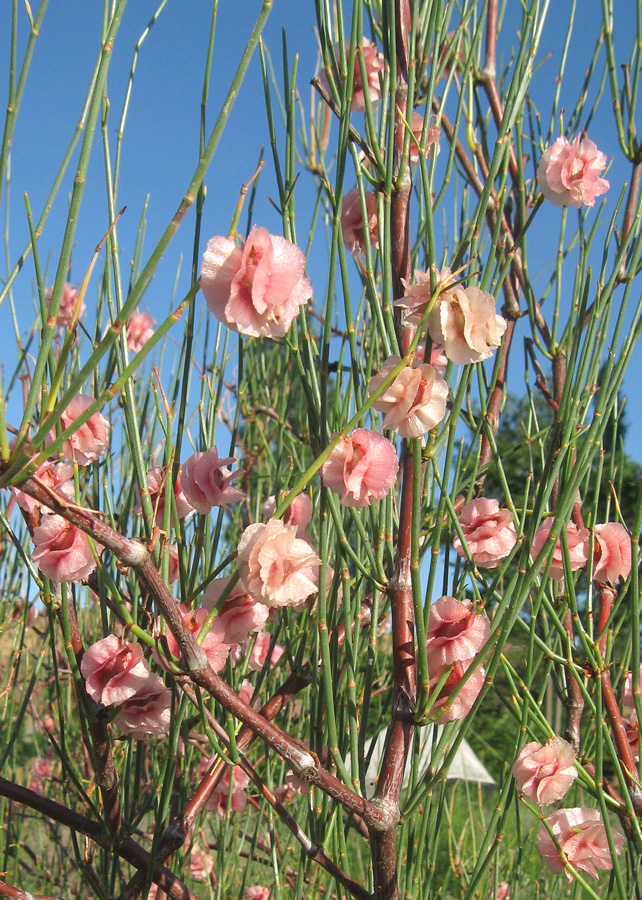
(201, 864)
(438, 359)
(156, 479)
(581, 834)
(612, 553)
(414, 402)
(67, 304)
(455, 632)
(218, 798)
(239, 615)
(352, 224)
(57, 476)
(503, 891)
(276, 567)
(465, 323)
(62, 551)
(545, 774)
(569, 174)
(362, 467)
(257, 892)
(256, 289)
(260, 651)
(140, 327)
(489, 532)
(114, 670)
(432, 139)
(91, 439)
(374, 63)
(174, 572)
(298, 513)
(148, 711)
(206, 481)
(577, 540)
(215, 643)
(460, 705)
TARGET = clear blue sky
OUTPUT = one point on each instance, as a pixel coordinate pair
(161, 137)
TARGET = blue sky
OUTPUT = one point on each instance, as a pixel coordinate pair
(161, 137)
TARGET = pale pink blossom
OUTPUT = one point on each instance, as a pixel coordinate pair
(156, 479)
(462, 703)
(438, 358)
(489, 531)
(57, 476)
(246, 692)
(67, 304)
(201, 864)
(259, 655)
(612, 553)
(298, 513)
(415, 401)
(374, 63)
(206, 481)
(361, 468)
(545, 773)
(432, 139)
(114, 670)
(465, 323)
(90, 440)
(148, 711)
(239, 615)
(256, 289)
(257, 892)
(140, 328)
(581, 836)
(577, 539)
(455, 632)
(62, 551)
(42, 768)
(218, 798)
(215, 644)
(352, 223)
(503, 891)
(173, 572)
(277, 567)
(569, 174)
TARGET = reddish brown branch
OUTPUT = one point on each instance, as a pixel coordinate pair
(8, 890)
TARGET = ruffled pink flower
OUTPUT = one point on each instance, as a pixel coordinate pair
(577, 540)
(67, 304)
(260, 651)
(362, 467)
(432, 139)
(149, 711)
(256, 289)
(174, 572)
(465, 323)
(352, 224)
(276, 567)
(114, 670)
(298, 513)
(455, 632)
(62, 551)
(57, 476)
(201, 864)
(545, 774)
(257, 892)
(206, 481)
(462, 703)
(156, 479)
(218, 798)
(240, 614)
(215, 643)
(569, 174)
(612, 553)
(374, 63)
(489, 531)
(140, 328)
(581, 834)
(414, 402)
(438, 359)
(91, 440)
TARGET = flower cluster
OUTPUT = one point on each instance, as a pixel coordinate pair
(455, 635)
(611, 551)
(117, 674)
